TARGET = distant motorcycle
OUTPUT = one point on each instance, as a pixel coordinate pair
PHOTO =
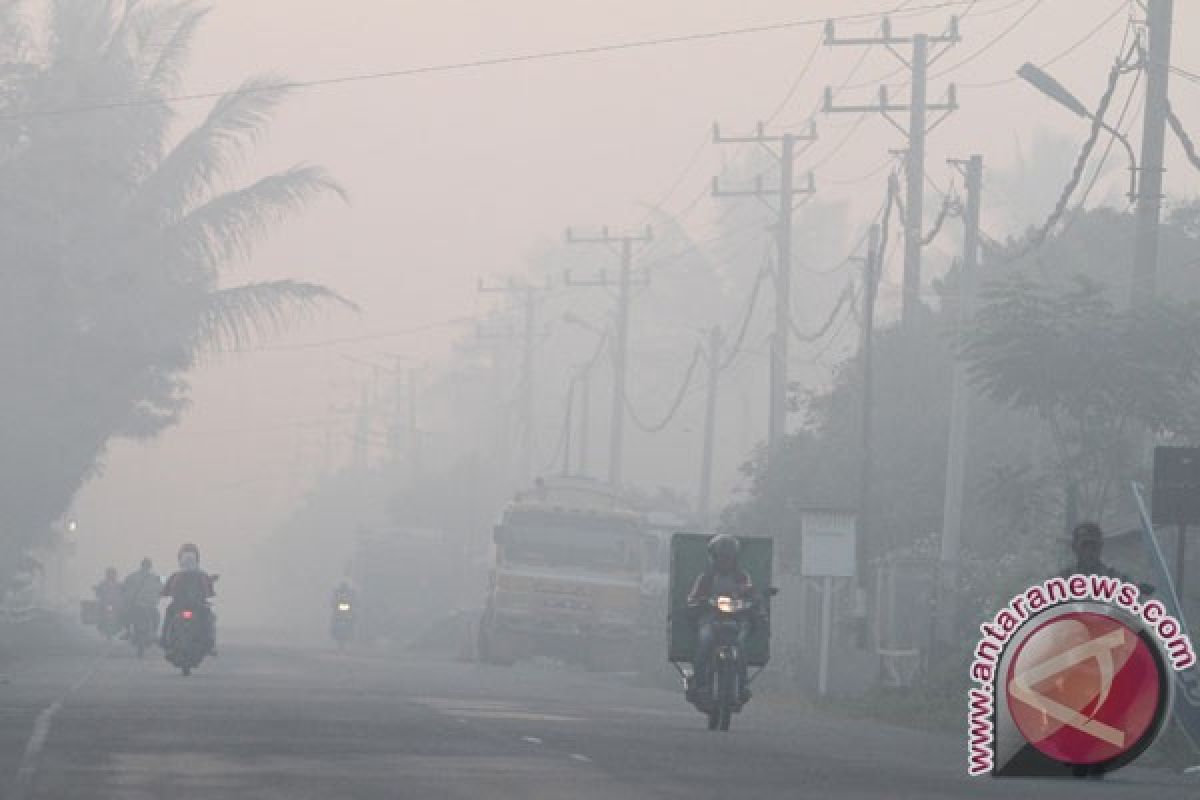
(143, 627)
(722, 698)
(187, 637)
(342, 624)
(109, 622)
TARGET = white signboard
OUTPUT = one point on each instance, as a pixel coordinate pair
(827, 543)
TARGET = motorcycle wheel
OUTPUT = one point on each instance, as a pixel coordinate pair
(141, 650)
(726, 687)
(187, 671)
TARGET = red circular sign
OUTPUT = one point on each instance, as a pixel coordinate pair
(1084, 688)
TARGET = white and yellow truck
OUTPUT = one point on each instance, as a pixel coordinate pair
(567, 578)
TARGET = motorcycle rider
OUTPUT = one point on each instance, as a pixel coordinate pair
(108, 592)
(1087, 542)
(723, 578)
(141, 590)
(191, 587)
(343, 593)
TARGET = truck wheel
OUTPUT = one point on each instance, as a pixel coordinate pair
(492, 653)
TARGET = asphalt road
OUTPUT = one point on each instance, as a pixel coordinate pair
(276, 722)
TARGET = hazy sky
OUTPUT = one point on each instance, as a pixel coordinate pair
(462, 174)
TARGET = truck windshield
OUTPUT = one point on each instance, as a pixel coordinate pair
(587, 550)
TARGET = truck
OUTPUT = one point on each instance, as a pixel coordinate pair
(566, 581)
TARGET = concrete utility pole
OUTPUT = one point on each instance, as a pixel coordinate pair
(956, 455)
(870, 285)
(528, 297)
(625, 283)
(362, 430)
(414, 433)
(704, 495)
(1149, 194)
(585, 419)
(917, 108)
(786, 193)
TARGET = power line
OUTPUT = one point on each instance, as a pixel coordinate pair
(1087, 37)
(1037, 237)
(1112, 140)
(462, 66)
(676, 403)
(1189, 148)
(1183, 73)
(808, 338)
(750, 304)
(994, 41)
(791, 92)
(353, 339)
(871, 173)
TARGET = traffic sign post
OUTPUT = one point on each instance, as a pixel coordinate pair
(827, 551)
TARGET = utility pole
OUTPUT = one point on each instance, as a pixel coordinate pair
(625, 282)
(1149, 193)
(362, 430)
(528, 295)
(870, 285)
(956, 455)
(704, 495)
(414, 433)
(918, 127)
(786, 193)
(585, 419)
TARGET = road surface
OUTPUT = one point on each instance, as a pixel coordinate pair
(277, 722)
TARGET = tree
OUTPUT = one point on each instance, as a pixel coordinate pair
(116, 234)
(1098, 376)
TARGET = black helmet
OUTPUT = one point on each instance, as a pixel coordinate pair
(1086, 530)
(147, 563)
(723, 545)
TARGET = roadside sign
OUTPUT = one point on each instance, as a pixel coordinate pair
(827, 542)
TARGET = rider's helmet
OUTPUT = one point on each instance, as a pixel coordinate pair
(189, 556)
(110, 574)
(723, 550)
(147, 564)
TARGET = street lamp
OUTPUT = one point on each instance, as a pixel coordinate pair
(1041, 80)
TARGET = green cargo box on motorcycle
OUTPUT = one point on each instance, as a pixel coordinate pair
(741, 625)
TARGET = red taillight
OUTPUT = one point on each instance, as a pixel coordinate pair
(185, 614)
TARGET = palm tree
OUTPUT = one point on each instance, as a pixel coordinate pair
(117, 232)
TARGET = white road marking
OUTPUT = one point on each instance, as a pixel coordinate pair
(37, 740)
(531, 739)
(490, 709)
(580, 757)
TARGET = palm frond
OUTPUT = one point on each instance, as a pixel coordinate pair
(232, 317)
(227, 227)
(211, 151)
(161, 38)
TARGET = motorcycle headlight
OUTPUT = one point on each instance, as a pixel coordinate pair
(343, 606)
(725, 605)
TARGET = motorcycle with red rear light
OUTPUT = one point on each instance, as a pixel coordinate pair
(187, 638)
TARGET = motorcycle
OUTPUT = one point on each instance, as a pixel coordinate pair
(143, 627)
(722, 697)
(109, 623)
(187, 638)
(342, 624)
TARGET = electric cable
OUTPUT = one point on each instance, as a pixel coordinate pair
(462, 66)
(675, 404)
(992, 43)
(808, 338)
(1091, 34)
